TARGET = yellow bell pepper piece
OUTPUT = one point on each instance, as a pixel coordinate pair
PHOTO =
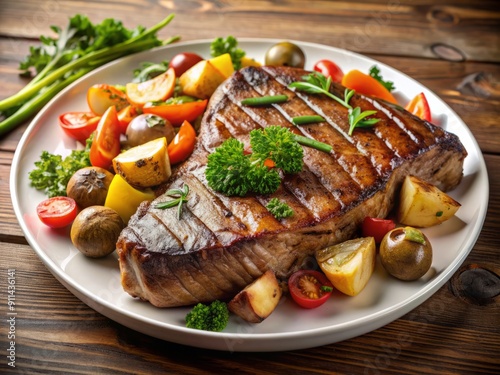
(124, 198)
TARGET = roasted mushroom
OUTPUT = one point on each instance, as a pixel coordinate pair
(95, 231)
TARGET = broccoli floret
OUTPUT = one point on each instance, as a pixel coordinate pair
(213, 317)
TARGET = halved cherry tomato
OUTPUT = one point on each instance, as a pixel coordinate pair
(57, 212)
(420, 107)
(183, 143)
(177, 113)
(126, 115)
(367, 85)
(309, 288)
(79, 125)
(377, 228)
(183, 61)
(329, 69)
(156, 89)
(106, 143)
(102, 96)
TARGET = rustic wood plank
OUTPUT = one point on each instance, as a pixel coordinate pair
(385, 27)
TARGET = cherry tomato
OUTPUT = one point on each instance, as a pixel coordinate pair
(79, 125)
(57, 212)
(102, 96)
(377, 228)
(183, 144)
(309, 289)
(177, 113)
(106, 143)
(126, 115)
(329, 69)
(420, 107)
(183, 61)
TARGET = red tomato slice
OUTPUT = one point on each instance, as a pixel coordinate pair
(309, 289)
(126, 115)
(79, 125)
(183, 144)
(420, 107)
(377, 228)
(183, 61)
(329, 69)
(57, 212)
(106, 143)
(102, 96)
(156, 89)
(177, 113)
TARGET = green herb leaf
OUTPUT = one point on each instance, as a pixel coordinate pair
(180, 196)
(317, 83)
(52, 172)
(233, 172)
(279, 209)
(220, 46)
(375, 73)
(153, 120)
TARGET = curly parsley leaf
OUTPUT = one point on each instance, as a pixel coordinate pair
(375, 73)
(279, 209)
(220, 46)
(52, 172)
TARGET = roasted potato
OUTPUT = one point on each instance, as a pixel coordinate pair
(223, 64)
(145, 165)
(349, 265)
(258, 300)
(201, 80)
(423, 205)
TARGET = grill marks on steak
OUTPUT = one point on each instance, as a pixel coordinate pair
(223, 243)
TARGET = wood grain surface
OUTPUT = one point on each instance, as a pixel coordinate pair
(452, 47)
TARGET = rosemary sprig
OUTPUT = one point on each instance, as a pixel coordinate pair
(180, 196)
(317, 83)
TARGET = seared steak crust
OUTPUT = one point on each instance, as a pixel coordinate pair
(223, 243)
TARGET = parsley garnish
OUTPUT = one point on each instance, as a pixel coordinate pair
(232, 172)
(52, 172)
(317, 83)
(375, 73)
(279, 209)
(220, 46)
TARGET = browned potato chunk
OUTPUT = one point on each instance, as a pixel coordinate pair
(258, 300)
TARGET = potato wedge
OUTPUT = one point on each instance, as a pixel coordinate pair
(145, 165)
(201, 80)
(423, 205)
(258, 300)
(223, 64)
(349, 265)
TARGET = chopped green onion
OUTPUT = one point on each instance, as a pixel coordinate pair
(265, 100)
(326, 288)
(313, 143)
(303, 120)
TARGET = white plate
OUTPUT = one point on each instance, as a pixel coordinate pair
(97, 282)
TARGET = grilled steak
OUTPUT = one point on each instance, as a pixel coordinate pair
(221, 243)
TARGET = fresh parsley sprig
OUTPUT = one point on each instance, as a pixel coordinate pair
(279, 209)
(180, 196)
(317, 83)
(233, 172)
(375, 73)
(220, 46)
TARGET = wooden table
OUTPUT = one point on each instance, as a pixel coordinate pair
(452, 47)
